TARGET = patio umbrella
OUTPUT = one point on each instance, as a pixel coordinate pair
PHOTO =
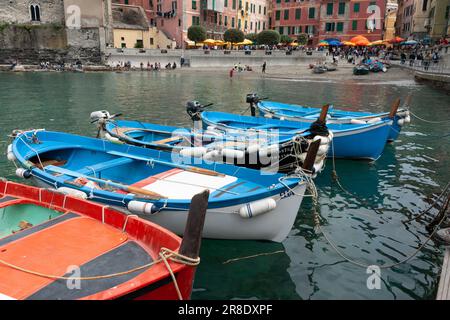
(348, 43)
(396, 40)
(334, 43)
(409, 42)
(360, 39)
(219, 43)
(210, 42)
(293, 44)
(323, 44)
(376, 43)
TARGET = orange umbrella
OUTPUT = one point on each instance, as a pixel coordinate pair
(323, 44)
(360, 41)
(396, 40)
(348, 43)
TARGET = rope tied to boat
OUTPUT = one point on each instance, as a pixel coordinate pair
(319, 230)
(165, 255)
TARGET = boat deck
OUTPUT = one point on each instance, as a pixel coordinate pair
(444, 283)
(55, 246)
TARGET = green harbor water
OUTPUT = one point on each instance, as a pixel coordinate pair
(404, 181)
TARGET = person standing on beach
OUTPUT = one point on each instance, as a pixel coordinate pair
(231, 72)
(264, 67)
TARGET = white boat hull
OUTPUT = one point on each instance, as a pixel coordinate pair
(226, 223)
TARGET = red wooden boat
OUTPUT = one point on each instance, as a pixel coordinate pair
(53, 246)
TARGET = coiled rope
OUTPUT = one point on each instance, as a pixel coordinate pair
(164, 254)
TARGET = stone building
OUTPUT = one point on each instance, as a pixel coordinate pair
(55, 30)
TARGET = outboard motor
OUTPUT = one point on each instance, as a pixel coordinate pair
(194, 108)
(252, 99)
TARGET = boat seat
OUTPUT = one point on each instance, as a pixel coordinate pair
(180, 184)
(168, 140)
(99, 167)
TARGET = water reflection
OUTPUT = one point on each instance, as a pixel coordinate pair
(400, 184)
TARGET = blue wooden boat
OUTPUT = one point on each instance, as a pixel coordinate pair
(357, 141)
(294, 112)
(257, 151)
(157, 185)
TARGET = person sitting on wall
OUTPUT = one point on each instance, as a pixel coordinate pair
(174, 66)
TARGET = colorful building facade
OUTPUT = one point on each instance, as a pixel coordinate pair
(322, 19)
(423, 19)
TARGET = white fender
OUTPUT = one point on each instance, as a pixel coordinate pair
(9, 153)
(323, 140)
(356, 121)
(374, 120)
(282, 118)
(140, 207)
(11, 157)
(72, 192)
(112, 139)
(253, 148)
(196, 152)
(323, 149)
(257, 208)
(271, 150)
(233, 154)
(23, 173)
(213, 155)
(401, 122)
(408, 119)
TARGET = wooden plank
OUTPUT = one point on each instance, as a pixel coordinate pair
(444, 282)
(44, 164)
(171, 139)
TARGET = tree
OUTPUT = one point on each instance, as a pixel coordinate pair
(197, 34)
(285, 39)
(233, 36)
(302, 39)
(268, 37)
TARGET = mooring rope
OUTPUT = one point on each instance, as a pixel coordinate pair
(164, 254)
(425, 120)
(319, 229)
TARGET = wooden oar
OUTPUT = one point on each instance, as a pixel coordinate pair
(170, 164)
(131, 189)
(394, 108)
(308, 164)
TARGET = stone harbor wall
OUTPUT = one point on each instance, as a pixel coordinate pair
(31, 44)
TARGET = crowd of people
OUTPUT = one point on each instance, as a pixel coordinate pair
(126, 66)
(419, 54)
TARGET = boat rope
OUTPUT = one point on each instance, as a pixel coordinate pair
(253, 256)
(164, 255)
(318, 228)
(425, 120)
(32, 149)
(430, 207)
